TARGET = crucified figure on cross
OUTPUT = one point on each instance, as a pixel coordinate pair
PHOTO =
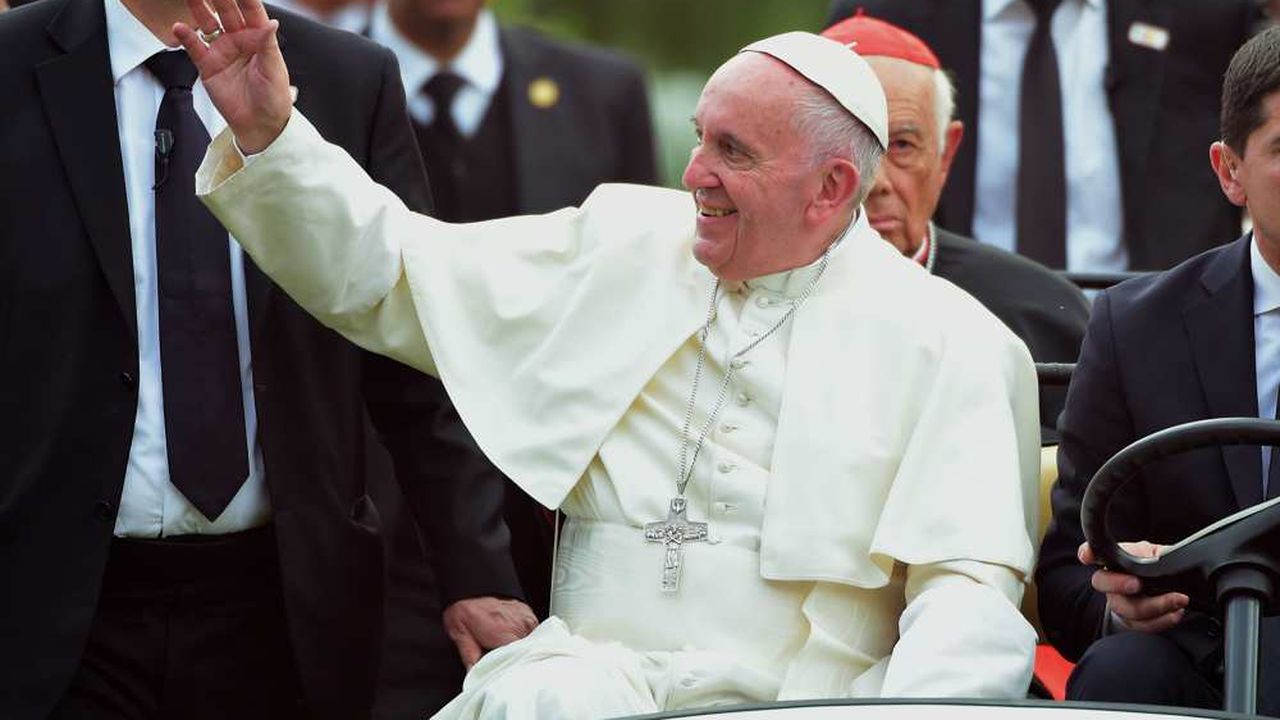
(674, 532)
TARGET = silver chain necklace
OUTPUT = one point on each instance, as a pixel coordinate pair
(932, 257)
(677, 529)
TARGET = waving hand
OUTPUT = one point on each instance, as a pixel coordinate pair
(241, 67)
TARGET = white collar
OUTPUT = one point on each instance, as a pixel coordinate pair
(479, 63)
(129, 42)
(1266, 282)
(992, 8)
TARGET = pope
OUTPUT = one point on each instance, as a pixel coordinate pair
(775, 487)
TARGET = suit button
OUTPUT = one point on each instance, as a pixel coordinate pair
(104, 511)
(128, 380)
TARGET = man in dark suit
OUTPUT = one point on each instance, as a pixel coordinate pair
(1131, 191)
(188, 459)
(510, 122)
(1201, 340)
(1046, 311)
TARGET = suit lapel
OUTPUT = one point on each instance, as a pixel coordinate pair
(1134, 81)
(538, 135)
(79, 100)
(1220, 329)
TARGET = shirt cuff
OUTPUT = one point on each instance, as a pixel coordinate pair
(245, 158)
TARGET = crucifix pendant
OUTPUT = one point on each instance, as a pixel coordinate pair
(674, 532)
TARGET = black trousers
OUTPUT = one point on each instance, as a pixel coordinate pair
(188, 628)
(1134, 667)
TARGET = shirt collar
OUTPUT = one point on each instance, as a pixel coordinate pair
(129, 42)
(792, 283)
(992, 8)
(479, 63)
(1266, 283)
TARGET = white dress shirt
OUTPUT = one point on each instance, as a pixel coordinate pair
(1095, 210)
(150, 505)
(479, 65)
(1266, 340)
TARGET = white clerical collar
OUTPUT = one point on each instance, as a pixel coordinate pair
(992, 8)
(1266, 282)
(792, 283)
(129, 42)
(479, 63)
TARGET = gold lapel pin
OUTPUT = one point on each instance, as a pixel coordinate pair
(544, 92)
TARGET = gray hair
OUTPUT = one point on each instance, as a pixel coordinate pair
(834, 133)
(944, 105)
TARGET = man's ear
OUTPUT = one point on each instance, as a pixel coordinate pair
(1225, 165)
(953, 138)
(840, 183)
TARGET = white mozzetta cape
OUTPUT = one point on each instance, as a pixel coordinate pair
(908, 429)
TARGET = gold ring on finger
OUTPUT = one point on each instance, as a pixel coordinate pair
(209, 37)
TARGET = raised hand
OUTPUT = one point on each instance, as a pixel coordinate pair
(242, 68)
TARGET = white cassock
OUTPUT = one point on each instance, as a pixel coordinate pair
(870, 486)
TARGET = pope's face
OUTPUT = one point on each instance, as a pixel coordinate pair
(915, 164)
(750, 171)
(1252, 180)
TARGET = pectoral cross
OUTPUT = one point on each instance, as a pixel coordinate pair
(674, 532)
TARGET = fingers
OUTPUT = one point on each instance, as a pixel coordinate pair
(195, 47)
(202, 17)
(1106, 581)
(1149, 614)
(1085, 554)
(1142, 548)
(468, 649)
(255, 15)
(229, 15)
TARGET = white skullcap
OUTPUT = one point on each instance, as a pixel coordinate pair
(835, 68)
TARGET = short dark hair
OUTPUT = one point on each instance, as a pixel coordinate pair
(1254, 74)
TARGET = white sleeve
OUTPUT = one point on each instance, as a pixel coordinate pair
(961, 634)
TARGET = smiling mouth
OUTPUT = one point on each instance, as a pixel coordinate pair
(716, 212)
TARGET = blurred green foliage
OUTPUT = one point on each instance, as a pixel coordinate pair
(667, 34)
(680, 42)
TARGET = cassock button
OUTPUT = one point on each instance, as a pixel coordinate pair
(743, 399)
(763, 302)
(727, 428)
(726, 467)
(739, 363)
(104, 511)
(128, 380)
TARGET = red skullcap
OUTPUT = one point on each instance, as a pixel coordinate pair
(876, 37)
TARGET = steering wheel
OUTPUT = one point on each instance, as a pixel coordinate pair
(1192, 565)
(1233, 564)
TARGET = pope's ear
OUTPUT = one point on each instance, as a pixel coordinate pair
(840, 183)
(1226, 165)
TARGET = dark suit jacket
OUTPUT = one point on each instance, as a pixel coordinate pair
(1164, 104)
(1160, 350)
(68, 346)
(598, 131)
(1049, 313)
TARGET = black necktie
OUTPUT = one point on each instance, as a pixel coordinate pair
(445, 141)
(1273, 474)
(199, 359)
(441, 88)
(1042, 177)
